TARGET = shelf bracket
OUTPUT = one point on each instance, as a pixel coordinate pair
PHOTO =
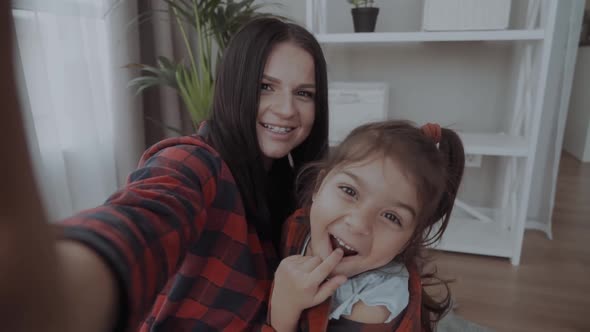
(472, 211)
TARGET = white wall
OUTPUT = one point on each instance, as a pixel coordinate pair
(293, 9)
(577, 132)
(561, 67)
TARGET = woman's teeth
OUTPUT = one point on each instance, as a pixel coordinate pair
(277, 129)
(346, 248)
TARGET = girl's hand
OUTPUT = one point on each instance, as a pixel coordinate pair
(300, 283)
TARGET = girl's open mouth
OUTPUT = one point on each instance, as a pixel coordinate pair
(346, 248)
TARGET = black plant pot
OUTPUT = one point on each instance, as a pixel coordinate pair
(364, 19)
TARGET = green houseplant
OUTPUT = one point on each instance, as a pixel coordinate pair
(212, 22)
(364, 15)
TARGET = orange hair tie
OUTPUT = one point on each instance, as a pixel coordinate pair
(433, 131)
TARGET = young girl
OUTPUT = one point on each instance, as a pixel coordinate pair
(380, 197)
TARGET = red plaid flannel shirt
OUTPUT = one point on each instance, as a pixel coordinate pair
(315, 319)
(177, 239)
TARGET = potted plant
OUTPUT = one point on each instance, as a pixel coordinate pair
(211, 22)
(364, 15)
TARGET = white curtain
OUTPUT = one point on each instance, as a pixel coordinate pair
(84, 125)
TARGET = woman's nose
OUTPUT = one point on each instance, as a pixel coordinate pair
(283, 106)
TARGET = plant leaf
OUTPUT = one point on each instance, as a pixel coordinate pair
(213, 21)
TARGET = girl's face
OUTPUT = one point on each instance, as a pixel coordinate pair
(287, 105)
(366, 208)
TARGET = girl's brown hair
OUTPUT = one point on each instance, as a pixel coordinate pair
(435, 169)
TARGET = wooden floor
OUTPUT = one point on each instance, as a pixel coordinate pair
(550, 290)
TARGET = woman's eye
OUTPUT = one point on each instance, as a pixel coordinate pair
(265, 86)
(306, 94)
(392, 217)
(348, 191)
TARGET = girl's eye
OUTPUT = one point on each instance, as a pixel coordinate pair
(348, 191)
(392, 217)
(306, 94)
(265, 86)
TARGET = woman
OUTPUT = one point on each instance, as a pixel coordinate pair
(187, 244)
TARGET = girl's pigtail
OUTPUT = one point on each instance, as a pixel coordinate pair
(451, 149)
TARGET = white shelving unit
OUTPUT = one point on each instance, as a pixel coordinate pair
(494, 144)
(415, 37)
(495, 230)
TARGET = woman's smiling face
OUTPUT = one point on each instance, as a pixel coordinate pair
(286, 110)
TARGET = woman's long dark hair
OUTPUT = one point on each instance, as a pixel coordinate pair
(268, 196)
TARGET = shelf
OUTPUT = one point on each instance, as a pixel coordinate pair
(494, 144)
(427, 36)
(488, 145)
(475, 237)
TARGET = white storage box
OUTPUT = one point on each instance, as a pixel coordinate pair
(451, 15)
(354, 104)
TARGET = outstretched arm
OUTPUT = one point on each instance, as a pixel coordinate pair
(36, 283)
(119, 255)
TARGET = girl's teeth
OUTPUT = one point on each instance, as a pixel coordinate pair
(342, 243)
(280, 130)
(338, 243)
